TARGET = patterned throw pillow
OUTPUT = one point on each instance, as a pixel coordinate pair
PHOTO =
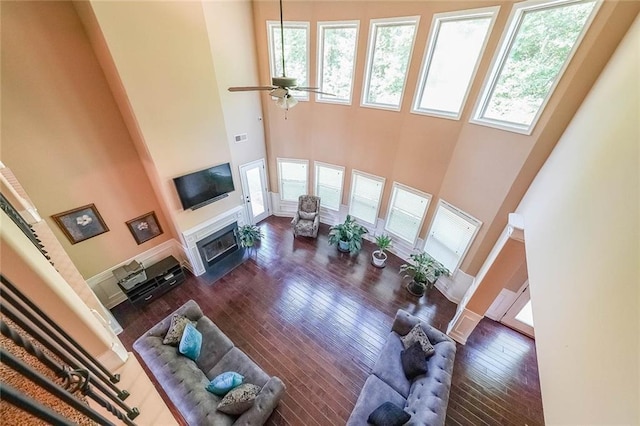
(414, 363)
(388, 414)
(224, 382)
(191, 342)
(174, 334)
(239, 400)
(417, 335)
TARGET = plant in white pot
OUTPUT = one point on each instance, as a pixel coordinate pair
(248, 235)
(348, 235)
(423, 270)
(379, 257)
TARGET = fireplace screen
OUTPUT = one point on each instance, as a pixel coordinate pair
(219, 246)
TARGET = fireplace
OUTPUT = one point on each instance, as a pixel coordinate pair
(220, 252)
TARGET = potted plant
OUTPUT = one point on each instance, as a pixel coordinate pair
(248, 235)
(348, 235)
(423, 270)
(379, 257)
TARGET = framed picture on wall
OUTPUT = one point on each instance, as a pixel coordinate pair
(145, 227)
(81, 224)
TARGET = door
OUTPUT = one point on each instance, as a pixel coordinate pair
(520, 315)
(254, 190)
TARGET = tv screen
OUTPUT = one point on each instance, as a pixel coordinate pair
(200, 188)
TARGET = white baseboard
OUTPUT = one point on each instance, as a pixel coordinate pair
(105, 286)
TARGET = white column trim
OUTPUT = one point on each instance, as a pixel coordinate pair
(462, 325)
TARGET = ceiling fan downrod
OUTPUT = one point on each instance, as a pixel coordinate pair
(284, 74)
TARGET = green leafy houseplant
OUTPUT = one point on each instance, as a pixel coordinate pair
(248, 235)
(347, 235)
(379, 257)
(423, 270)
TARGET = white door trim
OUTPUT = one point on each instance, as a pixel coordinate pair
(246, 195)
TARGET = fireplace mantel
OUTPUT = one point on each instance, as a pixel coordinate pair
(206, 228)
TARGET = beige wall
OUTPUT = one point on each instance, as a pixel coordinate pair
(582, 241)
(63, 135)
(236, 64)
(162, 54)
(481, 170)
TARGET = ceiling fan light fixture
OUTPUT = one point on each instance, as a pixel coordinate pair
(286, 102)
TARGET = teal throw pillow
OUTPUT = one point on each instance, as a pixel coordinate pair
(223, 383)
(191, 342)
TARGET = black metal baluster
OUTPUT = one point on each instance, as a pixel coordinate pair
(82, 376)
(113, 378)
(31, 406)
(10, 313)
(40, 380)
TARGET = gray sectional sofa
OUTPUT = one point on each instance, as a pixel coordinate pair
(426, 398)
(184, 380)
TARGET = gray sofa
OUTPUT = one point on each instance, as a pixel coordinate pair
(184, 380)
(426, 398)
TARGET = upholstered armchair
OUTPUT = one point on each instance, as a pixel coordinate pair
(307, 218)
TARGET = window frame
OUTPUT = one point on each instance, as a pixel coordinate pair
(512, 29)
(373, 25)
(300, 96)
(461, 213)
(434, 32)
(427, 196)
(380, 179)
(320, 56)
(317, 164)
(279, 162)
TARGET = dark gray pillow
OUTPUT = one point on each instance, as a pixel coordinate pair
(414, 361)
(388, 414)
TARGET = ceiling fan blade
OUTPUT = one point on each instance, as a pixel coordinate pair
(311, 89)
(248, 88)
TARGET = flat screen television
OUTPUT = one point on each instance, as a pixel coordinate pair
(203, 187)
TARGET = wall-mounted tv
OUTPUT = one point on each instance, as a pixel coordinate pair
(203, 187)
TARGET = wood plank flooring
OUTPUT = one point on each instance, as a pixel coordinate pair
(318, 319)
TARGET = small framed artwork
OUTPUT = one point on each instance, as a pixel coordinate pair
(145, 227)
(81, 224)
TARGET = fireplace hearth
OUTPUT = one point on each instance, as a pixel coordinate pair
(220, 252)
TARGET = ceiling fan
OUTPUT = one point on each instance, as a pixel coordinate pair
(281, 87)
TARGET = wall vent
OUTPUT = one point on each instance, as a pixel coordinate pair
(241, 138)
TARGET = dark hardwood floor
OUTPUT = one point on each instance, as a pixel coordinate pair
(318, 319)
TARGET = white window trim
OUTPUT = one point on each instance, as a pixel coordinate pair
(279, 161)
(442, 203)
(497, 64)
(438, 19)
(424, 215)
(373, 24)
(380, 179)
(316, 164)
(336, 24)
(301, 96)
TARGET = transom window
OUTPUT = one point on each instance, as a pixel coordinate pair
(292, 178)
(388, 57)
(329, 181)
(451, 234)
(534, 52)
(296, 52)
(456, 43)
(407, 210)
(337, 43)
(366, 192)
